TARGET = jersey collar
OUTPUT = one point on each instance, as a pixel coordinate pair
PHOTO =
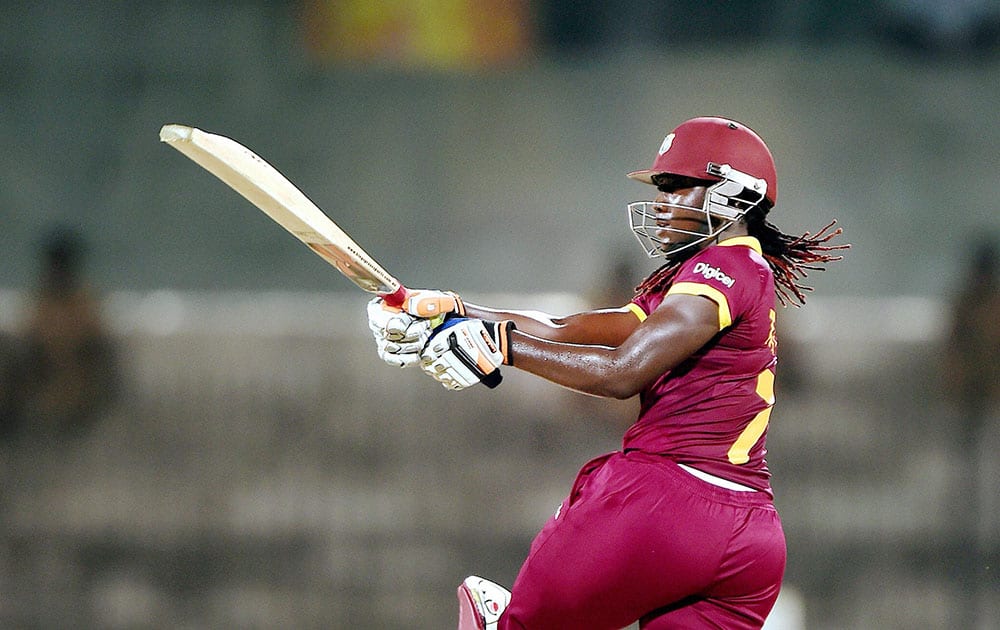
(746, 241)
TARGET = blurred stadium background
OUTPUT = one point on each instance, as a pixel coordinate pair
(256, 466)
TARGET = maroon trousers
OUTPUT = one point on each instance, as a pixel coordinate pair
(639, 538)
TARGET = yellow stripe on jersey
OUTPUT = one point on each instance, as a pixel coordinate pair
(637, 311)
(739, 453)
(693, 288)
(748, 241)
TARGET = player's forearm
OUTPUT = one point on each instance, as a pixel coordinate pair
(595, 370)
(534, 323)
(608, 327)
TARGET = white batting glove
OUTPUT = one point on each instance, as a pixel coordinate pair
(467, 352)
(399, 336)
(432, 303)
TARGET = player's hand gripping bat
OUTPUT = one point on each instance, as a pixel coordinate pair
(248, 174)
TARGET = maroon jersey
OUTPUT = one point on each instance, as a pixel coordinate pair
(712, 410)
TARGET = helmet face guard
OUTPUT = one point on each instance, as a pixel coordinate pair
(726, 202)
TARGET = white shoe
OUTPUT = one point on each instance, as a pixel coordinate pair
(480, 604)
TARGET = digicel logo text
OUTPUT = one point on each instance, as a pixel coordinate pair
(713, 273)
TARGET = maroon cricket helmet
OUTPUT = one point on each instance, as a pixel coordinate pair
(689, 148)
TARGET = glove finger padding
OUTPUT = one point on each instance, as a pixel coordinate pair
(415, 332)
(466, 352)
(387, 321)
(397, 328)
(398, 355)
(399, 336)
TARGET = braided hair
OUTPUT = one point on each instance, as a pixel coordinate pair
(791, 258)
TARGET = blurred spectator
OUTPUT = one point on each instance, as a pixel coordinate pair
(11, 386)
(941, 27)
(70, 367)
(616, 286)
(973, 348)
(972, 378)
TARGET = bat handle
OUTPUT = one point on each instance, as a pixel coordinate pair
(396, 298)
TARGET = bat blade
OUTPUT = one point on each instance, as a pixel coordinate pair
(265, 187)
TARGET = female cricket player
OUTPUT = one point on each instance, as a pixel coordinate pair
(678, 528)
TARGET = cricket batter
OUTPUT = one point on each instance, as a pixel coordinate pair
(677, 529)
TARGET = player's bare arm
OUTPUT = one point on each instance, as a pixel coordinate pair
(676, 330)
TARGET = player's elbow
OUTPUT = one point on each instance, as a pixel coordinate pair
(616, 382)
(621, 393)
(623, 390)
(610, 390)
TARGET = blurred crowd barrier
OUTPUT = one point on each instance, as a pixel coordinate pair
(261, 468)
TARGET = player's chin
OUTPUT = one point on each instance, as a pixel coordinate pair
(671, 250)
(678, 249)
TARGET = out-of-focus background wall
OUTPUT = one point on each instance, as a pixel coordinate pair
(197, 431)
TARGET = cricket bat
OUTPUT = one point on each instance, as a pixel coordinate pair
(265, 187)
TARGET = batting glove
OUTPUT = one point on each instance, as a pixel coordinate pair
(431, 303)
(468, 351)
(399, 336)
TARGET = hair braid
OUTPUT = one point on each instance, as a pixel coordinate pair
(790, 258)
